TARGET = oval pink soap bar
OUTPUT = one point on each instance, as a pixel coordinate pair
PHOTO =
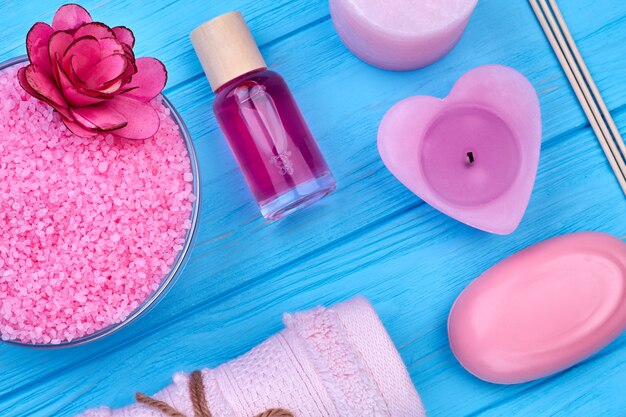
(542, 310)
(400, 34)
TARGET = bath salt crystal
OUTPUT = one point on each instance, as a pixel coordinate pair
(90, 226)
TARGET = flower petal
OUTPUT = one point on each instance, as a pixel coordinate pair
(100, 117)
(43, 84)
(77, 129)
(58, 43)
(70, 17)
(57, 46)
(106, 71)
(110, 46)
(143, 120)
(77, 98)
(111, 88)
(37, 45)
(21, 76)
(74, 96)
(96, 29)
(87, 48)
(83, 53)
(125, 35)
(73, 75)
(149, 80)
(132, 66)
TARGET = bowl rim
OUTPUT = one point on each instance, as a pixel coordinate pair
(181, 258)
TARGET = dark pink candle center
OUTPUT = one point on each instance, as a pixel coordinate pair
(469, 156)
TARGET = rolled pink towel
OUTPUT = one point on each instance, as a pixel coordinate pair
(327, 362)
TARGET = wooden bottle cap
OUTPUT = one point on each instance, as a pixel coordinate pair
(226, 49)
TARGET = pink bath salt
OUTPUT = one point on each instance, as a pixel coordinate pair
(90, 226)
(103, 166)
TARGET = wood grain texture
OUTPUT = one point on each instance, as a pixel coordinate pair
(372, 237)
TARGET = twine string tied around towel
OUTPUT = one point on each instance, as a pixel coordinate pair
(199, 402)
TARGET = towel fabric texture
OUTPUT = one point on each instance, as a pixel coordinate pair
(327, 362)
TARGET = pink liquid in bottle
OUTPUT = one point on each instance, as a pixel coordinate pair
(272, 143)
(261, 120)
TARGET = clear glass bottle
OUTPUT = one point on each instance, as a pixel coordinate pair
(261, 120)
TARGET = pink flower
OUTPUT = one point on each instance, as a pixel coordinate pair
(87, 72)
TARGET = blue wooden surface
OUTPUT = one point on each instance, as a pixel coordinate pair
(371, 237)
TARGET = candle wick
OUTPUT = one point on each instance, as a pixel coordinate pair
(470, 157)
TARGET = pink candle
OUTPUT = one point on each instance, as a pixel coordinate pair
(472, 155)
(401, 34)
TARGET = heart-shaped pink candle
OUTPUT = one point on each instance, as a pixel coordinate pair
(401, 34)
(472, 155)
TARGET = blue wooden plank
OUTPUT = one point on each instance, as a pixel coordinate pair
(230, 288)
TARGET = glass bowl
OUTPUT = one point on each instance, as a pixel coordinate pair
(179, 263)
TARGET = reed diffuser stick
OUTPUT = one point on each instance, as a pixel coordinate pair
(587, 100)
(588, 78)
